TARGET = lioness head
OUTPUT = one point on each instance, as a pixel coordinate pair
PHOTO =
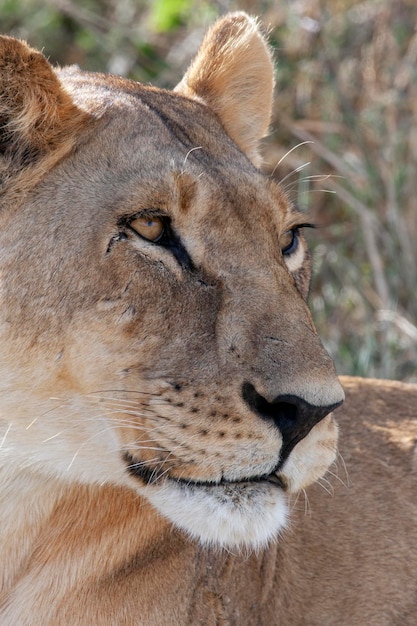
(154, 326)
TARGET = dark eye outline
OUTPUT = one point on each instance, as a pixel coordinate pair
(293, 246)
(149, 218)
(168, 239)
(162, 240)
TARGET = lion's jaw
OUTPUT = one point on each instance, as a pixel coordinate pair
(245, 514)
(233, 516)
(192, 355)
(239, 511)
(233, 496)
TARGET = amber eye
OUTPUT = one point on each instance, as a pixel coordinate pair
(150, 227)
(289, 241)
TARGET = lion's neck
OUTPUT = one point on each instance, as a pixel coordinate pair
(54, 533)
(108, 550)
(27, 501)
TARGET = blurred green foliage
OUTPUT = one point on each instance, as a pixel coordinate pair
(168, 14)
(346, 95)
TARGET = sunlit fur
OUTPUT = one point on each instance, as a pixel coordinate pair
(163, 403)
(138, 361)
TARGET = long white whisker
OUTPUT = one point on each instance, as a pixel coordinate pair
(140, 464)
(99, 393)
(337, 478)
(107, 411)
(120, 405)
(55, 408)
(303, 143)
(54, 436)
(104, 430)
(307, 508)
(188, 154)
(328, 489)
(345, 469)
(5, 435)
(295, 171)
(140, 445)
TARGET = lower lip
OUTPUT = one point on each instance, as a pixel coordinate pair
(149, 477)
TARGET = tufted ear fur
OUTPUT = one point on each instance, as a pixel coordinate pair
(233, 74)
(37, 117)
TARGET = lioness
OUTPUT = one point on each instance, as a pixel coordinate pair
(164, 395)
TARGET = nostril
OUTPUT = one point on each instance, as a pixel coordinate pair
(285, 416)
(293, 416)
(283, 413)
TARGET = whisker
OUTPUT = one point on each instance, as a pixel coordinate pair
(140, 464)
(108, 411)
(123, 404)
(295, 502)
(307, 507)
(139, 446)
(84, 444)
(188, 154)
(338, 478)
(348, 483)
(5, 435)
(329, 488)
(53, 436)
(294, 185)
(303, 143)
(323, 191)
(55, 408)
(123, 391)
(126, 405)
(295, 171)
(163, 473)
(320, 177)
(118, 421)
(32, 422)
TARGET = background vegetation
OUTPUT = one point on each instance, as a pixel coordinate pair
(343, 140)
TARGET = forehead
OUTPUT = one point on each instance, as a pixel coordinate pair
(152, 142)
(144, 112)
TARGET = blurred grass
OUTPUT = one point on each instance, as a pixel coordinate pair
(346, 96)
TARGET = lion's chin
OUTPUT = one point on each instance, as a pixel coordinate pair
(243, 516)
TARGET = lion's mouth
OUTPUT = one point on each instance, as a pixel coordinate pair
(153, 476)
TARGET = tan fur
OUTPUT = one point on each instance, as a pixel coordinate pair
(245, 67)
(38, 120)
(149, 391)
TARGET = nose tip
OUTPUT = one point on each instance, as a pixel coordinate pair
(293, 416)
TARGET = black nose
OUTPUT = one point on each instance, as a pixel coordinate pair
(293, 416)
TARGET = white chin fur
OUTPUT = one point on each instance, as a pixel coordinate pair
(230, 516)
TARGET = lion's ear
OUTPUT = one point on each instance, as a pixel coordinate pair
(233, 74)
(36, 115)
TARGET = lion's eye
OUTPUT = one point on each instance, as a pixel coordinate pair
(150, 227)
(289, 241)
